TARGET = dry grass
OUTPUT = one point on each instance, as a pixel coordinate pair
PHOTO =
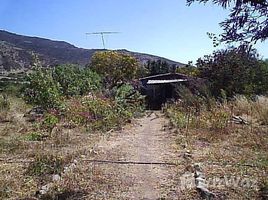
(229, 150)
(257, 109)
(261, 110)
(29, 155)
(223, 149)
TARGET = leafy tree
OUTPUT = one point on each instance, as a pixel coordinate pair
(159, 67)
(188, 70)
(261, 78)
(114, 67)
(235, 71)
(247, 22)
(74, 80)
(41, 89)
(46, 87)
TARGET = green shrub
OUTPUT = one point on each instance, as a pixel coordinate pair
(177, 118)
(101, 113)
(11, 89)
(4, 103)
(74, 80)
(218, 118)
(129, 101)
(50, 122)
(97, 113)
(34, 136)
(46, 165)
(48, 87)
(42, 90)
(4, 107)
(235, 70)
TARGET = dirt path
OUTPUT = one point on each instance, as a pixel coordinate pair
(146, 141)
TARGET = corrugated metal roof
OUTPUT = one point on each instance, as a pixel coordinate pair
(163, 75)
(165, 81)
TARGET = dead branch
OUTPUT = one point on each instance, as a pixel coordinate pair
(239, 120)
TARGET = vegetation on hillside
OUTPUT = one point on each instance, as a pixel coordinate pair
(227, 138)
(47, 126)
(234, 70)
(158, 67)
(62, 103)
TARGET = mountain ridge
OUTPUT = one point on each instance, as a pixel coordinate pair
(16, 52)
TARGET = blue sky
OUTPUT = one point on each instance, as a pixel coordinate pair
(166, 28)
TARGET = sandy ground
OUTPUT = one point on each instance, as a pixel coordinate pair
(146, 141)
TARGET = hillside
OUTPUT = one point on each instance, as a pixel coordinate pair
(16, 52)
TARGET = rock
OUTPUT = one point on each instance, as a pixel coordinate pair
(187, 155)
(56, 177)
(44, 189)
(200, 183)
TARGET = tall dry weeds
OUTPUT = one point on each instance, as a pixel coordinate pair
(257, 109)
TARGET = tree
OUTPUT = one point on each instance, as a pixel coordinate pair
(159, 67)
(114, 67)
(234, 70)
(247, 22)
(47, 87)
(261, 78)
(41, 89)
(74, 80)
(188, 70)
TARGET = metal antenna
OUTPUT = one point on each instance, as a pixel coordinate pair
(102, 35)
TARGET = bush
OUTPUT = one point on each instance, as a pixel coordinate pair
(74, 80)
(4, 107)
(234, 70)
(47, 88)
(198, 111)
(76, 93)
(4, 103)
(102, 113)
(42, 90)
(12, 89)
(46, 165)
(97, 113)
(34, 136)
(218, 118)
(129, 101)
(50, 122)
(177, 118)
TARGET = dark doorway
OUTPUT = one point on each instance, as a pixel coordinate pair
(159, 94)
(160, 88)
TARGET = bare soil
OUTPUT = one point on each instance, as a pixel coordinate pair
(146, 141)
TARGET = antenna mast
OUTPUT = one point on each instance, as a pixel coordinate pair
(102, 35)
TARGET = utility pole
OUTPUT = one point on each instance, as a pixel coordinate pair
(102, 35)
